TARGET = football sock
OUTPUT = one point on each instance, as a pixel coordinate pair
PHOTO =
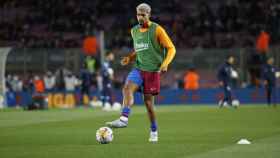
(154, 126)
(125, 114)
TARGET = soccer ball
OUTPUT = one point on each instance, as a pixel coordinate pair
(107, 107)
(234, 74)
(117, 106)
(277, 74)
(104, 135)
(235, 103)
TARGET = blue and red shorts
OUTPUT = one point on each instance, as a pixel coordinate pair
(149, 82)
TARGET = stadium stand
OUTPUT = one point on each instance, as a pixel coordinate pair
(63, 24)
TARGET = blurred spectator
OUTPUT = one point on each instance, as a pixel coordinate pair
(90, 45)
(262, 45)
(28, 84)
(59, 78)
(70, 83)
(8, 81)
(11, 98)
(16, 84)
(39, 85)
(191, 79)
(92, 65)
(49, 81)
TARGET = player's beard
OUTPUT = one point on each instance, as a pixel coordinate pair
(141, 22)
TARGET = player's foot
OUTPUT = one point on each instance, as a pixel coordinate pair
(223, 104)
(220, 104)
(153, 137)
(117, 124)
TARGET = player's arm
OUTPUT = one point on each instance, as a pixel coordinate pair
(128, 59)
(166, 42)
(220, 75)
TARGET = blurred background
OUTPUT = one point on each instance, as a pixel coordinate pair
(61, 38)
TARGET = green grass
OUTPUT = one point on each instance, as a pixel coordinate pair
(185, 132)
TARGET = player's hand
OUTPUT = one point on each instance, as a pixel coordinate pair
(163, 68)
(265, 82)
(221, 83)
(125, 61)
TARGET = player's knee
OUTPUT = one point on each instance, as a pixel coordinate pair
(126, 90)
(148, 101)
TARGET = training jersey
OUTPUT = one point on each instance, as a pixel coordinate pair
(150, 53)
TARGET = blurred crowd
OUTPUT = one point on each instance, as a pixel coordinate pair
(62, 80)
(207, 24)
(87, 81)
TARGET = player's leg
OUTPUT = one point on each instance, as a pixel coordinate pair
(225, 97)
(228, 97)
(106, 96)
(151, 87)
(268, 94)
(133, 82)
(271, 95)
(149, 103)
(103, 99)
(109, 95)
(128, 100)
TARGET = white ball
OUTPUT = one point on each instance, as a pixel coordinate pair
(234, 74)
(225, 104)
(277, 74)
(95, 103)
(104, 135)
(107, 107)
(117, 106)
(235, 102)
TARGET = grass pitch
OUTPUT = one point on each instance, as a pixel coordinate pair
(184, 132)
